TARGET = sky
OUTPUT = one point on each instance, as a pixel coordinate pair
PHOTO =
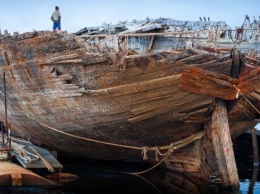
(28, 15)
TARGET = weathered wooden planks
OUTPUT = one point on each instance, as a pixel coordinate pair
(214, 84)
(61, 84)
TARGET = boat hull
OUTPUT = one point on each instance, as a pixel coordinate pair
(92, 102)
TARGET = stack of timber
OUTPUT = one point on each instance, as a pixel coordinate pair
(104, 99)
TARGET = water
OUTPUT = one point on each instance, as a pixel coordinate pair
(112, 177)
(99, 177)
(247, 184)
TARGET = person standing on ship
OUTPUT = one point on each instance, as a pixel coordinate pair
(56, 18)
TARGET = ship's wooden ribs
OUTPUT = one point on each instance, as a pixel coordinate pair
(223, 146)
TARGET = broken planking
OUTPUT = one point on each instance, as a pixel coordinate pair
(210, 83)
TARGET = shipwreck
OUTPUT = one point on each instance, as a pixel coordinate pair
(172, 93)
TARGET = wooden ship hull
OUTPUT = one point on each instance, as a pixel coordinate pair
(105, 100)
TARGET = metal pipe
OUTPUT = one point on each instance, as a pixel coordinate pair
(2, 129)
(3, 138)
(6, 124)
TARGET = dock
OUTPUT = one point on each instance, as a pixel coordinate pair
(40, 158)
(30, 157)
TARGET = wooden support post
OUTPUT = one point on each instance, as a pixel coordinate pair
(150, 45)
(16, 179)
(255, 147)
(223, 146)
(253, 180)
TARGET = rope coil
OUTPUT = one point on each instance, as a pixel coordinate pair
(25, 155)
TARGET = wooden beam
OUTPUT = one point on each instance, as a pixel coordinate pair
(255, 147)
(46, 162)
(150, 45)
(215, 49)
(223, 146)
(250, 81)
(210, 83)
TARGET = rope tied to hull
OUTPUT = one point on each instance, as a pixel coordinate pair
(170, 148)
(144, 152)
(167, 154)
(159, 153)
(238, 91)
